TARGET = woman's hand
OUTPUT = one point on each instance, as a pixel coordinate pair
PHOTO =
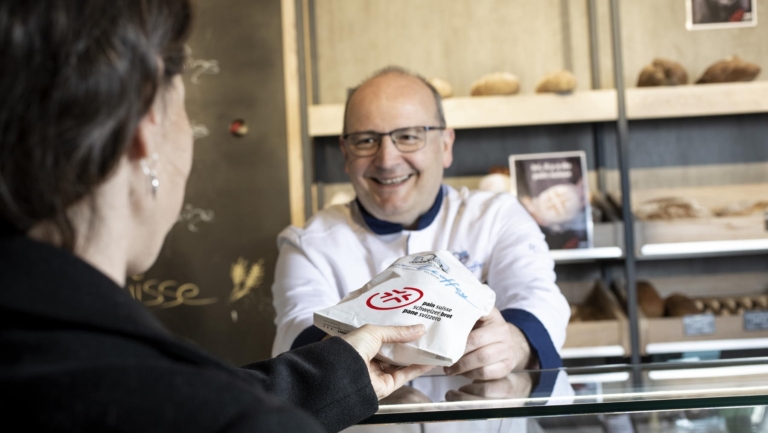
(368, 340)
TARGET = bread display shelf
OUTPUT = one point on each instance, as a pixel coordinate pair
(586, 255)
(703, 236)
(596, 338)
(697, 100)
(579, 107)
(667, 334)
(496, 111)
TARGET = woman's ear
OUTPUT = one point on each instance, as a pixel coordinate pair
(145, 139)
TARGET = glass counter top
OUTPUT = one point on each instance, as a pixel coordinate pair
(580, 391)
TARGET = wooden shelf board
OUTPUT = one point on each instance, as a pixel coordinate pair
(588, 106)
(697, 100)
(496, 111)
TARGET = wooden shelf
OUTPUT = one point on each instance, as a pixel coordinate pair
(496, 111)
(702, 237)
(579, 107)
(697, 100)
(599, 338)
(667, 334)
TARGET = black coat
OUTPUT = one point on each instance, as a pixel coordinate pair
(77, 353)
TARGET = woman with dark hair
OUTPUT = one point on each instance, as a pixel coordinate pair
(95, 150)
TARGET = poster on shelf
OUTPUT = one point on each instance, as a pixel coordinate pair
(553, 188)
(720, 14)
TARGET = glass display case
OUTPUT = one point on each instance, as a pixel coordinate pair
(717, 396)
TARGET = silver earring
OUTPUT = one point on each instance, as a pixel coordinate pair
(151, 174)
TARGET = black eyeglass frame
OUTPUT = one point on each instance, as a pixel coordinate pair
(381, 135)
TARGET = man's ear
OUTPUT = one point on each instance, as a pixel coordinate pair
(448, 137)
(344, 153)
(144, 140)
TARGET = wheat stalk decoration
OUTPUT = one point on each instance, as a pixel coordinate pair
(244, 284)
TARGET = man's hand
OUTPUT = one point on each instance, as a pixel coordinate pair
(368, 340)
(494, 349)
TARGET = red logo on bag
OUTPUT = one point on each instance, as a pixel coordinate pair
(394, 299)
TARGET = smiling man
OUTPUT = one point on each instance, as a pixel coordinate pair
(396, 146)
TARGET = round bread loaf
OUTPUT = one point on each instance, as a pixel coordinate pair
(677, 305)
(575, 314)
(730, 305)
(649, 300)
(497, 83)
(443, 87)
(731, 70)
(746, 303)
(699, 305)
(662, 72)
(713, 305)
(557, 82)
(496, 182)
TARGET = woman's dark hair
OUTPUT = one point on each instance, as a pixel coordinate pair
(76, 78)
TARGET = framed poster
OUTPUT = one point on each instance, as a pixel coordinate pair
(720, 14)
(553, 188)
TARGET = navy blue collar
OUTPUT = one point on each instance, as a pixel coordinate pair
(381, 227)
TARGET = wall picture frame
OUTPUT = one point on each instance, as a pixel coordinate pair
(720, 14)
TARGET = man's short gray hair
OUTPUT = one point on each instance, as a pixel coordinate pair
(402, 71)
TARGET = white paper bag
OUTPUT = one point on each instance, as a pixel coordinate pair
(431, 288)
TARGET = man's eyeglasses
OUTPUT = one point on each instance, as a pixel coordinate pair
(406, 140)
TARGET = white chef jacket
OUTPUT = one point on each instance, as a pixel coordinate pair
(343, 247)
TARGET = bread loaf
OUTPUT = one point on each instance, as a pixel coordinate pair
(746, 303)
(662, 72)
(557, 82)
(500, 169)
(671, 208)
(699, 305)
(575, 314)
(497, 83)
(731, 70)
(743, 208)
(730, 305)
(590, 313)
(649, 300)
(677, 305)
(761, 302)
(443, 87)
(713, 305)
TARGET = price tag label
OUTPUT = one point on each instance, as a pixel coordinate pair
(755, 320)
(699, 324)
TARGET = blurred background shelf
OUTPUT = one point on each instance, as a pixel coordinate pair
(496, 111)
(586, 255)
(678, 250)
(579, 107)
(697, 100)
(706, 346)
(593, 352)
(730, 220)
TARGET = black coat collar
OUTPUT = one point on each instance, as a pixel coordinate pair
(41, 280)
(54, 288)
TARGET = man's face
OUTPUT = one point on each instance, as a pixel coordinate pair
(394, 186)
